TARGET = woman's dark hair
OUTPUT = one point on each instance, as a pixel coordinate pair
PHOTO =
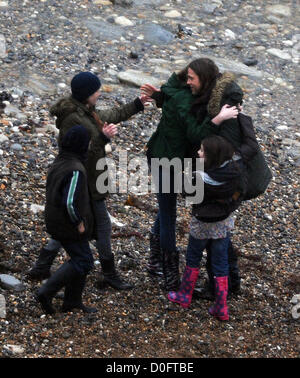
(208, 72)
(217, 150)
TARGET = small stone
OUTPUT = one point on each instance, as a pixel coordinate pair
(209, 8)
(295, 299)
(36, 208)
(123, 21)
(3, 53)
(102, 2)
(282, 127)
(250, 62)
(16, 147)
(230, 34)
(296, 311)
(122, 3)
(133, 55)
(3, 4)
(62, 85)
(3, 138)
(173, 14)
(241, 338)
(278, 80)
(2, 307)
(115, 221)
(268, 217)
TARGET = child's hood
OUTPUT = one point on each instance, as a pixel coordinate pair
(76, 140)
(226, 91)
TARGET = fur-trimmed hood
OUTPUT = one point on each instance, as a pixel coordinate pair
(66, 106)
(226, 91)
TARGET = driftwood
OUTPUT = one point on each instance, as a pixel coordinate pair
(127, 234)
(134, 201)
(182, 227)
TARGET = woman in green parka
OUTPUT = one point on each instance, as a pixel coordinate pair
(188, 116)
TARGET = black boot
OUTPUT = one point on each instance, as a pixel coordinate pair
(205, 292)
(59, 279)
(208, 290)
(41, 269)
(111, 277)
(154, 266)
(73, 296)
(171, 270)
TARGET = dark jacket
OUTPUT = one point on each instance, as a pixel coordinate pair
(180, 130)
(221, 200)
(58, 222)
(70, 112)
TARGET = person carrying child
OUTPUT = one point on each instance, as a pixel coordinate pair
(69, 219)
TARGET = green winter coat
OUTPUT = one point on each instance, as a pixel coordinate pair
(70, 112)
(178, 129)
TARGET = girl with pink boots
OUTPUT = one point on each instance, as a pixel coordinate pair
(212, 221)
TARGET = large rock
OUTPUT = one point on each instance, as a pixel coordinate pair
(137, 78)
(14, 349)
(104, 31)
(3, 53)
(237, 68)
(10, 282)
(279, 10)
(39, 85)
(280, 54)
(156, 34)
(2, 307)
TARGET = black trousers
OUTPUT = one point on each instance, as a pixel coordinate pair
(81, 256)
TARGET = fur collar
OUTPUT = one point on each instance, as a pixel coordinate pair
(217, 93)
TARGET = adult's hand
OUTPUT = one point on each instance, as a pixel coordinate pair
(109, 130)
(227, 112)
(145, 99)
(148, 89)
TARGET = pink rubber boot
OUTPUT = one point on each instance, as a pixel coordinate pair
(184, 295)
(220, 309)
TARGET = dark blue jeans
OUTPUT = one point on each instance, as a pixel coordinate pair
(81, 256)
(165, 222)
(218, 254)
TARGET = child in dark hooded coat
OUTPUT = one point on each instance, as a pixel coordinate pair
(69, 219)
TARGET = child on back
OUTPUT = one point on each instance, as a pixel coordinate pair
(69, 219)
(212, 221)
